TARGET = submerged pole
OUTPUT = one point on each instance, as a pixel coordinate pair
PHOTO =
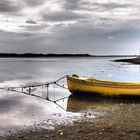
(21, 89)
(47, 92)
(29, 90)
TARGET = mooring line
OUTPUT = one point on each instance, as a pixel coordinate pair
(60, 106)
(60, 79)
(61, 99)
(60, 86)
(47, 99)
(38, 85)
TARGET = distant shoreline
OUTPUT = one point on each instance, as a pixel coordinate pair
(135, 60)
(32, 55)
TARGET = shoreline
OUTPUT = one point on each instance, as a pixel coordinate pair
(133, 60)
(120, 122)
(61, 55)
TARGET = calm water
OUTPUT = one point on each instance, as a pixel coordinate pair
(22, 71)
(20, 111)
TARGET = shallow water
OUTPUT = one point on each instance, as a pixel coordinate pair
(47, 69)
(25, 110)
(24, 71)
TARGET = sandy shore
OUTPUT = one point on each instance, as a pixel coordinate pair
(121, 122)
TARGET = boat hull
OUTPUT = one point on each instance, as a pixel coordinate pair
(100, 87)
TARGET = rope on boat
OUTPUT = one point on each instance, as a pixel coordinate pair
(28, 88)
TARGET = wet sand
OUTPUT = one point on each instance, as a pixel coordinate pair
(120, 122)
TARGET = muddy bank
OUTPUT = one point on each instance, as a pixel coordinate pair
(131, 60)
(121, 122)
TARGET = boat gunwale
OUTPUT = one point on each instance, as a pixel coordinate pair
(102, 83)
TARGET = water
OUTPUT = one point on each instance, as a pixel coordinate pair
(24, 71)
(25, 110)
(47, 69)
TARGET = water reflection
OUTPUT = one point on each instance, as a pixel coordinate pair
(78, 103)
(50, 69)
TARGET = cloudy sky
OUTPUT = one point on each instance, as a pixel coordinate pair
(70, 26)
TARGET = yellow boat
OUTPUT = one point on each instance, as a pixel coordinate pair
(84, 85)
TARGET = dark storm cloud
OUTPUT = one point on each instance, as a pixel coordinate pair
(105, 6)
(68, 26)
(35, 27)
(95, 41)
(31, 22)
(72, 4)
(76, 38)
(62, 16)
(7, 6)
(88, 5)
(11, 37)
(19, 42)
(34, 2)
(111, 5)
(96, 10)
(80, 38)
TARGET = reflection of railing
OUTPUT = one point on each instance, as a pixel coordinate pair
(78, 103)
(28, 90)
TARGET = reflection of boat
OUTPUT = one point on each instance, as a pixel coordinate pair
(78, 103)
(84, 85)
